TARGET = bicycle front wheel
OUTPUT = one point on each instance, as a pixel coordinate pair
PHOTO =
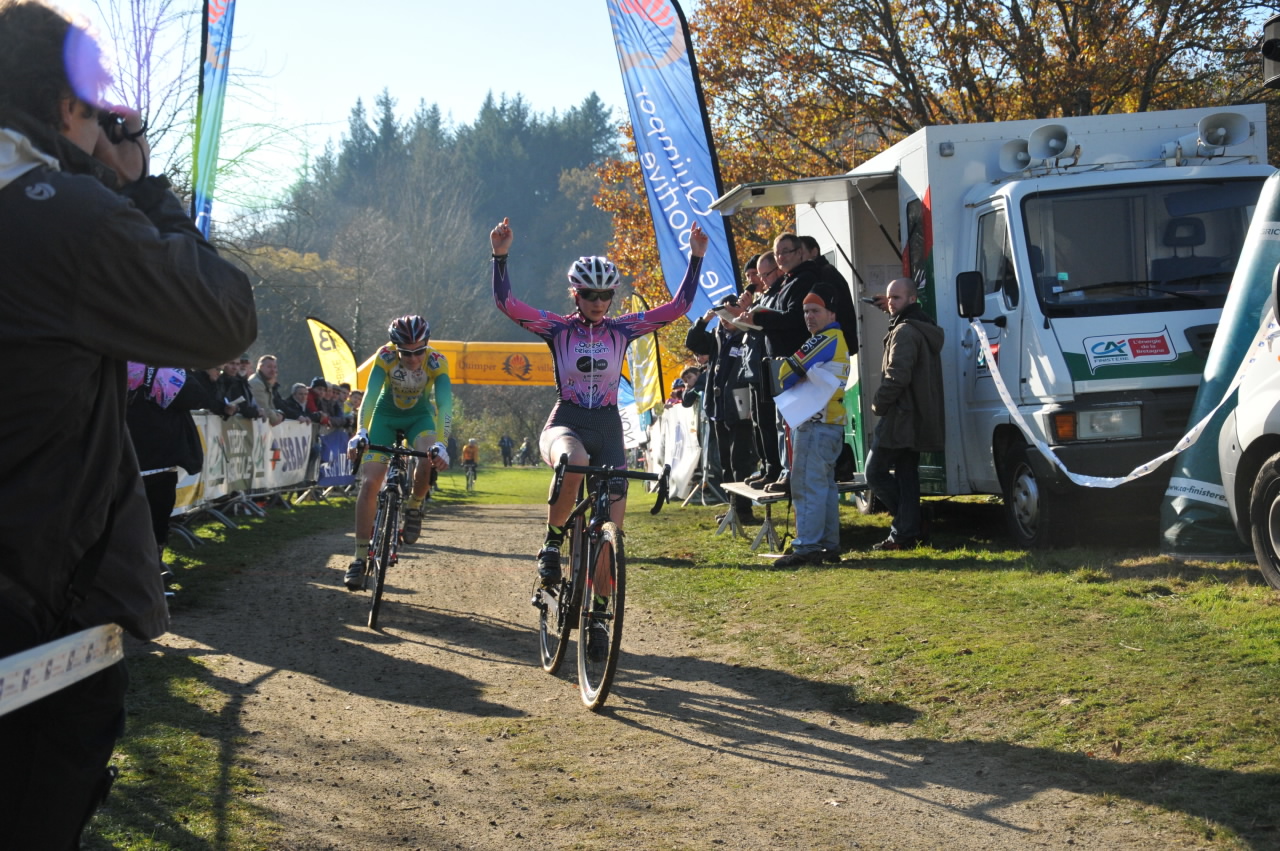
(471, 479)
(558, 606)
(384, 547)
(600, 616)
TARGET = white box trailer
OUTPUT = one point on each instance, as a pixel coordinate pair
(1096, 250)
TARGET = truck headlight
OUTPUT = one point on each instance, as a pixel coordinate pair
(1099, 424)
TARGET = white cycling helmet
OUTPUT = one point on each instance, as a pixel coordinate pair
(594, 273)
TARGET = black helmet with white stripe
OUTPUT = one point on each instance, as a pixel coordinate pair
(408, 329)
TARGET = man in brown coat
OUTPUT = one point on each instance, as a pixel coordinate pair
(909, 405)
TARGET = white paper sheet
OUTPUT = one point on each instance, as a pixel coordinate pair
(811, 395)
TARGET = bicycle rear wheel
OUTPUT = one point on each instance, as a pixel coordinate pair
(384, 547)
(558, 606)
(600, 616)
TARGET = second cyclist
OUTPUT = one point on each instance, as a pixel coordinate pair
(398, 398)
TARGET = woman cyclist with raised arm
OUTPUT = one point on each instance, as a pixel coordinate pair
(398, 397)
(587, 349)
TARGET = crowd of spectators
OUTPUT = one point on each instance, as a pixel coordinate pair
(743, 437)
(165, 438)
(257, 395)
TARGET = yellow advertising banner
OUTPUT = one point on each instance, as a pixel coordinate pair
(510, 364)
(337, 361)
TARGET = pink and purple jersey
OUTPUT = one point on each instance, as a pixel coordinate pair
(588, 358)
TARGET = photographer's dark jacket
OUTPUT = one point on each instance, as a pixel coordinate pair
(91, 277)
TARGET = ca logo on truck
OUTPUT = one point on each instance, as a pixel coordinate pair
(1122, 349)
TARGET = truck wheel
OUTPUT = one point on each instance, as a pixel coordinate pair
(1032, 512)
(865, 503)
(1264, 519)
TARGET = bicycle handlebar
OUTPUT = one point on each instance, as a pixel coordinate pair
(400, 450)
(392, 450)
(563, 466)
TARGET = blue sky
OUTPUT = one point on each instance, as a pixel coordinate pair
(449, 52)
(309, 61)
(314, 64)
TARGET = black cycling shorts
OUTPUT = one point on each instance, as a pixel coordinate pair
(599, 430)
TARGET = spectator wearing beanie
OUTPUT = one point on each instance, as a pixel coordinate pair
(816, 441)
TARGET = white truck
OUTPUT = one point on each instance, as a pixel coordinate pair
(1097, 252)
(1249, 440)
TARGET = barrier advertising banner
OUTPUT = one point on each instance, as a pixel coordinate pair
(247, 456)
(334, 469)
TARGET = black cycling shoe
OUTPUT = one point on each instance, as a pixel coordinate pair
(354, 580)
(549, 567)
(597, 642)
(412, 525)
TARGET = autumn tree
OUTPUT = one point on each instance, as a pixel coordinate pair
(289, 286)
(815, 87)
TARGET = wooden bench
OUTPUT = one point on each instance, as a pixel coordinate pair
(768, 533)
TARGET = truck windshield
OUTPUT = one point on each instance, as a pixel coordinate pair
(1138, 247)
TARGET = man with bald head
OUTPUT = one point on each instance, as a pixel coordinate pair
(909, 405)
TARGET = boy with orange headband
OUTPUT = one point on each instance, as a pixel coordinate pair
(815, 442)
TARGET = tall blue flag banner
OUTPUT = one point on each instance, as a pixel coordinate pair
(216, 49)
(673, 141)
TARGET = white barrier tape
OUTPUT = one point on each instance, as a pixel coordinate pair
(32, 674)
(1267, 332)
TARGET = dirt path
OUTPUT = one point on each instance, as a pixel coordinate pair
(441, 731)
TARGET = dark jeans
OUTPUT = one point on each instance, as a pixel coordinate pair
(736, 442)
(766, 432)
(56, 752)
(898, 490)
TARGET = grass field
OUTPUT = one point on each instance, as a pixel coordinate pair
(1147, 678)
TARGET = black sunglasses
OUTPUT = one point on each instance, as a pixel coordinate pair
(596, 295)
(412, 353)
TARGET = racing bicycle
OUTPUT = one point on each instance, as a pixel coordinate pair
(384, 544)
(592, 595)
(471, 475)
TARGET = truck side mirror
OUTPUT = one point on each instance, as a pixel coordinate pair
(971, 298)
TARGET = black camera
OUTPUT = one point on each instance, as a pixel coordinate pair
(113, 123)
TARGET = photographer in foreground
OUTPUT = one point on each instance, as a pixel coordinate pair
(99, 265)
